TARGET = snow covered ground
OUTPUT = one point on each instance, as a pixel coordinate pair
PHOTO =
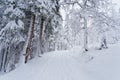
(71, 65)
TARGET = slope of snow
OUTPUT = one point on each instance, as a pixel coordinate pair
(106, 65)
(71, 65)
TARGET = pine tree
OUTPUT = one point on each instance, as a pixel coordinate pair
(10, 36)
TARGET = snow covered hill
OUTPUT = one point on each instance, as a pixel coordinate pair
(71, 65)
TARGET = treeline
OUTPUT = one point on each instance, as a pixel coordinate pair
(28, 27)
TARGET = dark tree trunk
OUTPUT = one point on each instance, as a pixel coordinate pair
(30, 40)
(41, 32)
(2, 60)
(6, 58)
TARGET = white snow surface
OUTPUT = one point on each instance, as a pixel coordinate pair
(71, 65)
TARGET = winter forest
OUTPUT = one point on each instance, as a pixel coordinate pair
(31, 31)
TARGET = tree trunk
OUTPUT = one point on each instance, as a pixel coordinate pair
(30, 40)
(6, 59)
(2, 60)
(85, 35)
(103, 44)
(41, 32)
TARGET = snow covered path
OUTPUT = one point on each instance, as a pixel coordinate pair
(70, 65)
(53, 66)
(61, 67)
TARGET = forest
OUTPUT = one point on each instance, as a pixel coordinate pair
(31, 28)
